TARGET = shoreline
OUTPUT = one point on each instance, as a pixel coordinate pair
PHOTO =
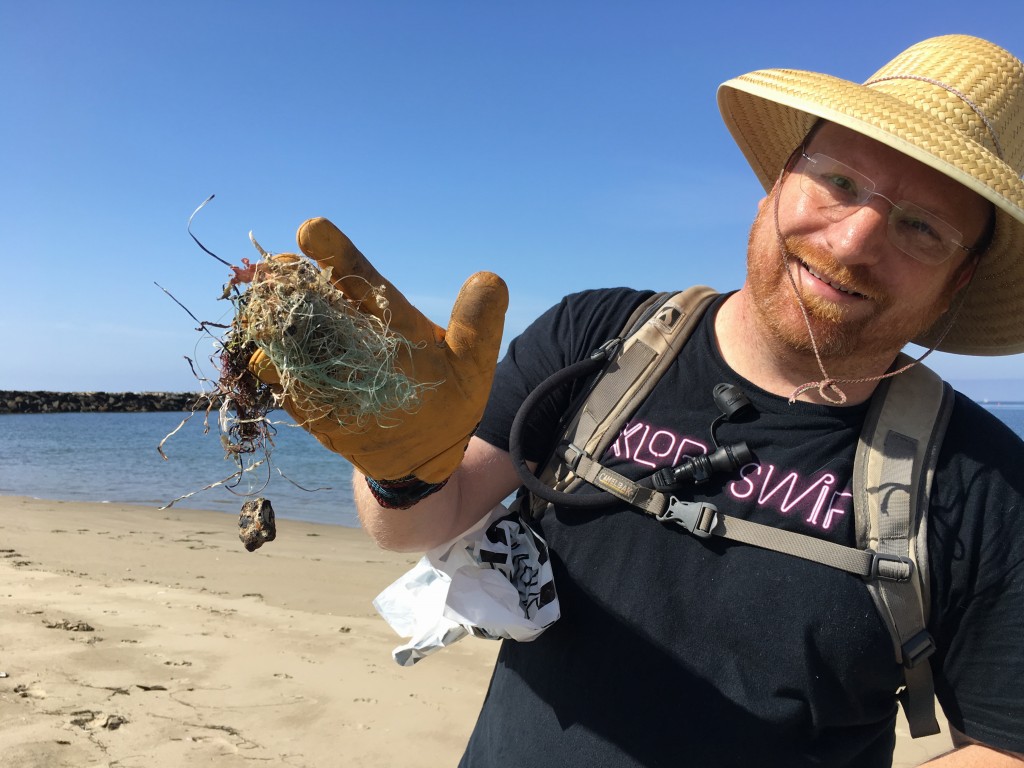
(184, 505)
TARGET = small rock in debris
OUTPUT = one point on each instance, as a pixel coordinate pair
(256, 524)
(113, 722)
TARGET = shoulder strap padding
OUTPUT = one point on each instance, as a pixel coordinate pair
(646, 352)
(893, 472)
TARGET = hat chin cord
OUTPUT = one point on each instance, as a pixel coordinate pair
(828, 386)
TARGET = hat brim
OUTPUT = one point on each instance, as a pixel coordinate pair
(769, 113)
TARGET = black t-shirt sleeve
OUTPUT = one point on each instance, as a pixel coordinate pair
(567, 333)
(976, 545)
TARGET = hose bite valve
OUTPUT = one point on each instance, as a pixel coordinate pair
(695, 470)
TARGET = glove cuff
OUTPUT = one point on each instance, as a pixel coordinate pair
(403, 493)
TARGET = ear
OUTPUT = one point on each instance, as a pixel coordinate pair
(964, 273)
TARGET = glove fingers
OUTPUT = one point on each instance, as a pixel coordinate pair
(355, 276)
(477, 321)
(285, 258)
(264, 370)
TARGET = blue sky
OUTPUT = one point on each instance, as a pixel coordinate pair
(563, 145)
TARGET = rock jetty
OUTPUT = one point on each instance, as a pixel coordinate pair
(96, 402)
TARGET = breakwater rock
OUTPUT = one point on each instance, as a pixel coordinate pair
(96, 402)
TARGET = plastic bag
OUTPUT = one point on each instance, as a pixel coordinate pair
(492, 581)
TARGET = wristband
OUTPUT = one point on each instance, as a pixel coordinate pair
(402, 494)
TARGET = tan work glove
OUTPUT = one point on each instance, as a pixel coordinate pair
(429, 443)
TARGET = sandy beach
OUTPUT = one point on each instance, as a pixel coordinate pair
(134, 637)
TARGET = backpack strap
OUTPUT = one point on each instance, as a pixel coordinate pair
(893, 471)
(650, 342)
(648, 345)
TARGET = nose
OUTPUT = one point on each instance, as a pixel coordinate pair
(863, 236)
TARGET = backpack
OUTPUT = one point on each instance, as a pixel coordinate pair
(893, 470)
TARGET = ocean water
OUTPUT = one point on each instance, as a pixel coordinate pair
(113, 457)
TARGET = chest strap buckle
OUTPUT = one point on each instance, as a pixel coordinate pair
(696, 517)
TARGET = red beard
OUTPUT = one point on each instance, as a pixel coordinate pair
(841, 332)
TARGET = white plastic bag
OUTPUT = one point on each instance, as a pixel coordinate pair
(492, 581)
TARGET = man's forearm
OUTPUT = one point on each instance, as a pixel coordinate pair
(485, 477)
(421, 527)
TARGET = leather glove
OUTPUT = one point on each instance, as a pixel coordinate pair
(429, 443)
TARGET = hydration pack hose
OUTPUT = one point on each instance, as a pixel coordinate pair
(515, 439)
(695, 470)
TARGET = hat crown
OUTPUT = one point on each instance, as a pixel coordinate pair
(973, 86)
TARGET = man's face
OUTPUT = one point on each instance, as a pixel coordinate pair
(864, 296)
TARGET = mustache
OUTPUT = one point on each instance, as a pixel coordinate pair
(856, 278)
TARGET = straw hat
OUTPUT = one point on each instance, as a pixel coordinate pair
(955, 103)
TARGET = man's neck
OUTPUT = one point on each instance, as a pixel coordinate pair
(753, 352)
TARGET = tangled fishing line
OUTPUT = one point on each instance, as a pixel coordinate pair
(334, 362)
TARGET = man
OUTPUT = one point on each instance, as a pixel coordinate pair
(895, 212)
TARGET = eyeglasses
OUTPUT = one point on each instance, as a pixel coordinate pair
(840, 191)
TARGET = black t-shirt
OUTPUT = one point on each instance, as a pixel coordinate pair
(674, 650)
